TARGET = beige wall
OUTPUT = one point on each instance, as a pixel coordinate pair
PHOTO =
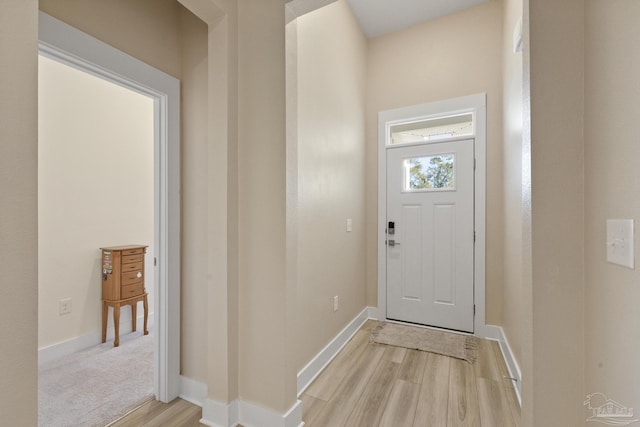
(194, 166)
(331, 52)
(554, 358)
(18, 215)
(266, 312)
(145, 29)
(95, 189)
(612, 185)
(456, 55)
(512, 301)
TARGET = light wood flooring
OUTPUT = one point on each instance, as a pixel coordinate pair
(178, 413)
(372, 385)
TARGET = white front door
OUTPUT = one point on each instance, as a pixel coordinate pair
(430, 234)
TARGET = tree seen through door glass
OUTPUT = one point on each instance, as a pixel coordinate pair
(430, 173)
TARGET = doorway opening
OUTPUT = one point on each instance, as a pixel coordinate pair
(95, 189)
(74, 48)
(431, 214)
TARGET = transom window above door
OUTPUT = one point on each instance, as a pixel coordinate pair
(431, 129)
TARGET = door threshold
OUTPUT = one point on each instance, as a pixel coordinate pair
(433, 328)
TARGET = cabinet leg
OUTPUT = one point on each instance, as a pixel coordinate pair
(145, 305)
(134, 315)
(105, 315)
(116, 321)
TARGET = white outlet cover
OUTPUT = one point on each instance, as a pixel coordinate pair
(349, 225)
(620, 242)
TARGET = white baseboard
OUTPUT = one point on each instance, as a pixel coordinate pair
(256, 416)
(326, 355)
(373, 313)
(489, 332)
(83, 342)
(217, 414)
(193, 391)
(496, 333)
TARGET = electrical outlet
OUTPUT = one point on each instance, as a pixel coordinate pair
(335, 303)
(65, 306)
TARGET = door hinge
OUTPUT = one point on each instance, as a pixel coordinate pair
(474, 237)
(155, 261)
(474, 164)
(474, 309)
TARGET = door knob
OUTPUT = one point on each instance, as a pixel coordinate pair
(392, 242)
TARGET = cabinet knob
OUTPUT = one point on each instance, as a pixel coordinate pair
(139, 275)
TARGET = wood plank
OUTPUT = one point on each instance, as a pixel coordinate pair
(311, 408)
(141, 415)
(394, 354)
(463, 396)
(512, 399)
(432, 408)
(493, 404)
(412, 368)
(509, 384)
(486, 365)
(327, 383)
(186, 415)
(370, 407)
(401, 406)
(369, 325)
(182, 414)
(338, 409)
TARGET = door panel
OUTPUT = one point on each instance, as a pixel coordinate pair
(430, 265)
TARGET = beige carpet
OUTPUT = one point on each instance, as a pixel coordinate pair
(98, 385)
(440, 342)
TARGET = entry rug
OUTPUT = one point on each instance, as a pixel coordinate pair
(440, 342)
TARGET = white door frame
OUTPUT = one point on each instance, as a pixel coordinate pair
(68, 45)
(472, 103)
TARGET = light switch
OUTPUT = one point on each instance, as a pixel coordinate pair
(349, 225)
(620, 242)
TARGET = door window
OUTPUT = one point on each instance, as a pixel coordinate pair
(432, 173)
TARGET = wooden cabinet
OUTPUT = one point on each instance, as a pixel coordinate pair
(123, 284)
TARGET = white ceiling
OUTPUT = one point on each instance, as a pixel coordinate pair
(378, 17)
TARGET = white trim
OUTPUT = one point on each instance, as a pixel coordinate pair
(193, 391)
(252, 415)
(311, 371)
(490, 332)
(509, 358)
(83, 342)
(373, 313)
(512, 364)
(75, 48)
(472, 103)
(217, 414)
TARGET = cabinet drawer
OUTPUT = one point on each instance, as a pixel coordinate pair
(130, 277)
(129, 259)
(136, 266)
(132, 290)
(132, 251)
